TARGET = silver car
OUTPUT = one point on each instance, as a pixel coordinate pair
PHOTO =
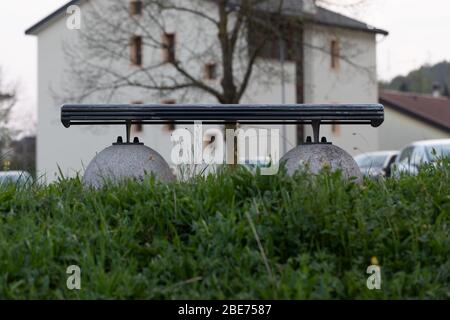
(418, 153)
(376, 164)
(18, 178)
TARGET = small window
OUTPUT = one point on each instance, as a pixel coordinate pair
(137, 127)
(336, 129)
(170, 126)
(136, 51)
(168, 42)
(405, 156)
(335, 54)
(210, 71)
(135, 7)
(418, 157)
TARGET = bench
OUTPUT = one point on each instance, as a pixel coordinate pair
(315, 115)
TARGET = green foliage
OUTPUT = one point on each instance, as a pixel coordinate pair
(422, 80)
(199, 239)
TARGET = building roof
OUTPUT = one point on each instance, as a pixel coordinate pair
(38, 26)
(290, 7)
(432, 110)
(331, 18)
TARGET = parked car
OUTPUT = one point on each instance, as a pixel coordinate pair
(253, 164)
(418, 153)
(376, 164)
(19, 178)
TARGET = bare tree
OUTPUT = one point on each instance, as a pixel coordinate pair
(227, 35)
(217, 36)
(7, 101)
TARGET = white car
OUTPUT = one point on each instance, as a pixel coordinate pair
(376, 164)
(418, 153)
(18, 178)
(253, 164)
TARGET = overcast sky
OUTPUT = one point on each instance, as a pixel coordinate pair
(419, 34)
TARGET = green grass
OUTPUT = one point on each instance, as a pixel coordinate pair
(230, 236)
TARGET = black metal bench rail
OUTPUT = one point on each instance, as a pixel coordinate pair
(316, 115)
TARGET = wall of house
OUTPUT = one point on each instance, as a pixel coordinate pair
(399, 130)
(354, 81)
(271, 91)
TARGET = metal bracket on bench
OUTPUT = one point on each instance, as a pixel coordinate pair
(315, 115)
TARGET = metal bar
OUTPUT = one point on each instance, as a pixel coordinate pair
(128, 130)
(209, 122)
(316, 130)
(221, 114)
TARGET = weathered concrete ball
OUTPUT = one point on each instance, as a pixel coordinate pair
(315, 157)
(119, 162)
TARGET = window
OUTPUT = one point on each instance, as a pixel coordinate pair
(135, 7)
(438, 151)
(136, 51)
(170, 126)
(137, 127)
(336, 129)
(269, 39)
(210, 71)
(168, 42)
(405, 156)
(372, 161)
(335, 54)
(418, 156)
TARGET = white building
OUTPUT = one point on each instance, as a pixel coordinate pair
(323, 76)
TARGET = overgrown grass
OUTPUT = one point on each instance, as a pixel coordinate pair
(233, 235)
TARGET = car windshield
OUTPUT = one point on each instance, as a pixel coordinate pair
(372, 161)
(438, 151)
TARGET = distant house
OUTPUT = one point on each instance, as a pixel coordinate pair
(411, 117)
(321, 76)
